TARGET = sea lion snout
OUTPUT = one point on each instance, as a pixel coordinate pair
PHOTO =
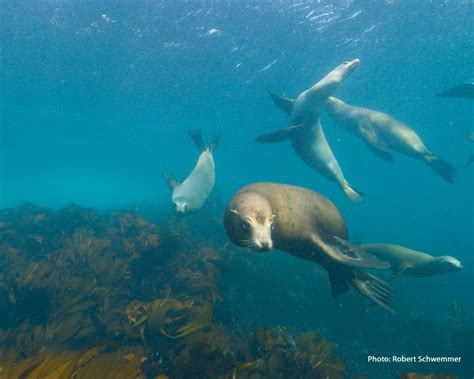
(181, 205)
(349, 66)
(452, 263)
(263, 243)
(248, 222)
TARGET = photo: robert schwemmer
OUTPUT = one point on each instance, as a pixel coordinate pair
(412, 359)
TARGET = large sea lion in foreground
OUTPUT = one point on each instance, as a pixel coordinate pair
(465, 90)
(190, 195)
(410, 262)
(305, 132)
(384, 134)
(265, 216)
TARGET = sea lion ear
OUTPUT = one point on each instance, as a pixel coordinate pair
(234, 211)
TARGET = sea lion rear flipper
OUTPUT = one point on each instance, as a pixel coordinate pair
(350, 255)
(214, 142)
(282, 102)
(279, 135)
(374, 288)
(196, 136)
(368, 285)
(381, 153)
(465, 90)
(443, 168)
(352, 193)
(170, 180)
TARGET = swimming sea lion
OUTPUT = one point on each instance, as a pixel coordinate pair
(305, 132)
(265, 216)
(383, 134)
(465, 90)
(410, 262)
(190, 195)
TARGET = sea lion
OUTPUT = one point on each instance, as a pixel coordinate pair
(465, 90)
(190, 195)
(383, 134)
(305, 132)
(410, 262)
(265, 216)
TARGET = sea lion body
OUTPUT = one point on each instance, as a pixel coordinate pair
(411, 262)
(305, 132)
(305, 224)
(384, 134)
(191, 194)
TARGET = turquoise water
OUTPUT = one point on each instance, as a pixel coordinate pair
(97, 98)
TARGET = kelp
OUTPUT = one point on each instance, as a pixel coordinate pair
(74, 277)
(94, 362)
(278, 353)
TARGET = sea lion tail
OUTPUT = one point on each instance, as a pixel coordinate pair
(214, 142)
(354, 195)
(373, 288)
(443, 168)
(196, 136)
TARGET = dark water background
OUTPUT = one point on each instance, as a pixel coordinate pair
(97, 98)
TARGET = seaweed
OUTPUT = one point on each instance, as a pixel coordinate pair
(84, 294)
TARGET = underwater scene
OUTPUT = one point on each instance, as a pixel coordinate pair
(236, 189)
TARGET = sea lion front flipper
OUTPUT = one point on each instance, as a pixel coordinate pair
(282, 102)
(381, 153)
(279, 135)
(348, 254)
(374, 144)
(170, 180)
(398, 271)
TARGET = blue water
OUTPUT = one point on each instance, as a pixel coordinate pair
(97, 97)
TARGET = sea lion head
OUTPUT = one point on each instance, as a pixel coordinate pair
(249, 221)
(349, 66)
(446, 263)
(181, 205)
(345, 69)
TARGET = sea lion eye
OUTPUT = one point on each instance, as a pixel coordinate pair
(245, 225)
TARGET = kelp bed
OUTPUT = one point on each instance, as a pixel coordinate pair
(88, 295)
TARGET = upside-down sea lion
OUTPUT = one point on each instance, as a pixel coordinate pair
(383, 134)
(305, 132)
(263, 216)
(410, 262)
(190, 195)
